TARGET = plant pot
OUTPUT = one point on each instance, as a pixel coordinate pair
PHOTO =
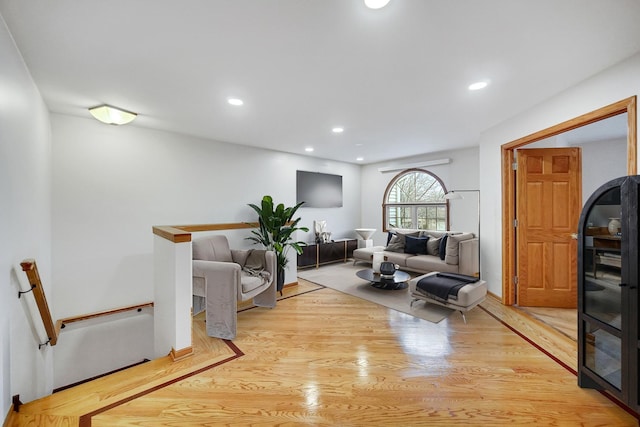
(280, 280)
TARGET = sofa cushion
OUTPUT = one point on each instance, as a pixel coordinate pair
(415, 245)
(429, 263)
(399, 258)
(250, 283)
(453, 244)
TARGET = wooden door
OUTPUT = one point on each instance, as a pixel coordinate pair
(549, 200)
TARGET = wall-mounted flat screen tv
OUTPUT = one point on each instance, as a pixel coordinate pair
(318, 190)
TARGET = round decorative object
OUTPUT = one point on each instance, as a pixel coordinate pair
(614, 226)
(387, 269)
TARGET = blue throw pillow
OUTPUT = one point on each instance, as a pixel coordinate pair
(443, 247)
(415, 245)
(390, 235)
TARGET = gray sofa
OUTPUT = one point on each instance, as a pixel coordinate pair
(405, 249)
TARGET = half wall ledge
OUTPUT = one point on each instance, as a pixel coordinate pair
(172, 268)
(182, 233)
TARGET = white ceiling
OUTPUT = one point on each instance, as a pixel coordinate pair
(396, 78)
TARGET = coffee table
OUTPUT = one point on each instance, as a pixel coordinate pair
(396, 282)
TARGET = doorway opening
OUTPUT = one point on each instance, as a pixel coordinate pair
(509, 196)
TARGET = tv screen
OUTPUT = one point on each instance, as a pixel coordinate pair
(318, 190)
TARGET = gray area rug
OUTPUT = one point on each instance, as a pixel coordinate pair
(342, 277)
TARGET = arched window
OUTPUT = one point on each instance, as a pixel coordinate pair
(415, 199)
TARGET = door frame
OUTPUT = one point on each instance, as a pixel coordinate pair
(507, 151)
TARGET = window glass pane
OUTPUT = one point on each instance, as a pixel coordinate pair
(405, 218)
(415, 187)
(422, 198)
(421, 215)
(399, 217)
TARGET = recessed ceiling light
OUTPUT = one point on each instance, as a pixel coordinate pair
(235, 101)
(337, 129)
(478, 85)
(359, 159)
(112, 115)
(376, 4)
(308, 149)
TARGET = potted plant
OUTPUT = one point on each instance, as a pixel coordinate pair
(276, 225)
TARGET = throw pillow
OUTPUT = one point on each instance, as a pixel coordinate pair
(398, 241)
(453, 242)
(442, 250)
(433, 245)
(415, 245)
(390, 235)
(396, 244)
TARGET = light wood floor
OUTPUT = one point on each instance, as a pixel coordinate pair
(328, 359)
(564, 320)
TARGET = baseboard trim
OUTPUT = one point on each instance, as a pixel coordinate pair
(181, 354)
(64, 387)
(8, 420)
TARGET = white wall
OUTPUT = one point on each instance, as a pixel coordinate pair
(460, 174)
(25, 176)
(614, 84)
(112, 184)
(612, 153)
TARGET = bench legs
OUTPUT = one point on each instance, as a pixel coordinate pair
(464, 318)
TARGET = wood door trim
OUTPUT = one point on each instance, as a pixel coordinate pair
(507, 151)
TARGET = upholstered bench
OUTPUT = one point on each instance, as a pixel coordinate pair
(469, 295)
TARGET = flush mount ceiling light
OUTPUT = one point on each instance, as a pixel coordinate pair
(376, 4)
(478, 85)
(112, 115)
(337, 129)
(309, 149)
(235, 101)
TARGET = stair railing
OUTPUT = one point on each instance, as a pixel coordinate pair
(31, 269)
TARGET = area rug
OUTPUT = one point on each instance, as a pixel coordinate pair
(342, 277)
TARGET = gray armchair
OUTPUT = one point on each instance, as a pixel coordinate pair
(222, 277)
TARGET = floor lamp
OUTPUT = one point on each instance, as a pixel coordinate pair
(455, 195)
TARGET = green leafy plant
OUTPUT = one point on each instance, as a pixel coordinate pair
(276, 226)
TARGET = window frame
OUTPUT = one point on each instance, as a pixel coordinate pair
(386, 204)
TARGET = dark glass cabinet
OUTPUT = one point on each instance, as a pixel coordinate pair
(608, 330)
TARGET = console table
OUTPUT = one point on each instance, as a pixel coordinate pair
(316, 254)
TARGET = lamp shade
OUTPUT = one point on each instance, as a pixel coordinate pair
(112, 115)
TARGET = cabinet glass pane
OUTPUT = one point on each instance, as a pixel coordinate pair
(602, 355)
(602, 260)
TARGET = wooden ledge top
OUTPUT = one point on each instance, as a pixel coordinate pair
(182, 233)
(172, 233)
